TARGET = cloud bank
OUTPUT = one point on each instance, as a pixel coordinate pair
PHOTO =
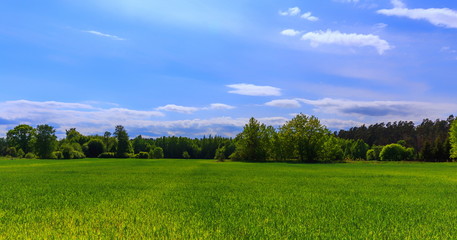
(347, 39)
(254, 90)
(442, 17)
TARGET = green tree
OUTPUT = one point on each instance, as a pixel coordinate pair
(306, 136)
(156, 153)
(46, 141)
(394, 152)
(359, 150)
(220, 154)
(123, 144)
(94, 148)
(253, 143)
(140, 145)
(21, 137)
(185, 155)
(332, 150)
(453, 139)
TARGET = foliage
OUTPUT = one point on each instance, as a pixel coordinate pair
(140, 144)
(332, 150)
(185, 155)
(396, 152)
(107, 155)
(30, 155)
(156, 153)
(143, 155)
(453, 139)
(21, 137)
(430, 138)
(124, 146)
(20, 153)
(46, 141)
(252, 143)
(220, 154)
(305, 136)
(94, 147)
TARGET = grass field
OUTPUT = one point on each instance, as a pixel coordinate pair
(188, 199)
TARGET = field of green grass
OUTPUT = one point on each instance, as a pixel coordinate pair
(204, 199)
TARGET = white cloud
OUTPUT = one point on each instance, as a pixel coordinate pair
(308, 16)
(294, 11)
(398, 3)
(254, 90)
(89, 119)
(284, 103)
(442, 17)
(105, 35)
(177, 108)
(220, 106)
(347, 39)
(405, 110)
(290, 32)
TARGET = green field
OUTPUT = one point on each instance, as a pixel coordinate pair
(188, 199)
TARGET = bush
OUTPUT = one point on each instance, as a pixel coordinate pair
(107, 155)
(143, 155)
(30, 155)
(20, 153)
(156, 153)
(53, 155)
(372, 156)
(185, 155)
(94, 147)
(395, 152)
(58, 155)
(11, 151)
(220, 154)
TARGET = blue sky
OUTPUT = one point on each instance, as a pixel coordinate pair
(199, 67)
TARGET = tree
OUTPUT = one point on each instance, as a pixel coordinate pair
(46, 141)
(396, 152)
(140, 145)
(359, 150)
(332, 150)
(3, 146)
(95, 147)
(306, 136)
(123, 144)
(220, 154)
(185, 155)
(21, 137)
(156, 153)
(253, 143)
(453, 139)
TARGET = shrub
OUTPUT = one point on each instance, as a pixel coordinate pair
(58, 155)
(94, 148)
(107, 155)
(156, 153)
(30, 155)
(185, 155)
(394, 152)
(371, 155)
(143, 155)
(20, 153)
(220, 154)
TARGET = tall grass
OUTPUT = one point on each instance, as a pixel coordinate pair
(188, 199)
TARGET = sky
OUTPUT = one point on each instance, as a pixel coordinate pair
(199, 67)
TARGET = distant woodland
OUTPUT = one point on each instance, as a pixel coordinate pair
(303, 139)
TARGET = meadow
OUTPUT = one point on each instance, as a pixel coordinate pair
(204, 199)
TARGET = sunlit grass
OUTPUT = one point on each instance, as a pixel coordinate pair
(187, 199)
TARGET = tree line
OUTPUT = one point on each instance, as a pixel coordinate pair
(303, 139)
